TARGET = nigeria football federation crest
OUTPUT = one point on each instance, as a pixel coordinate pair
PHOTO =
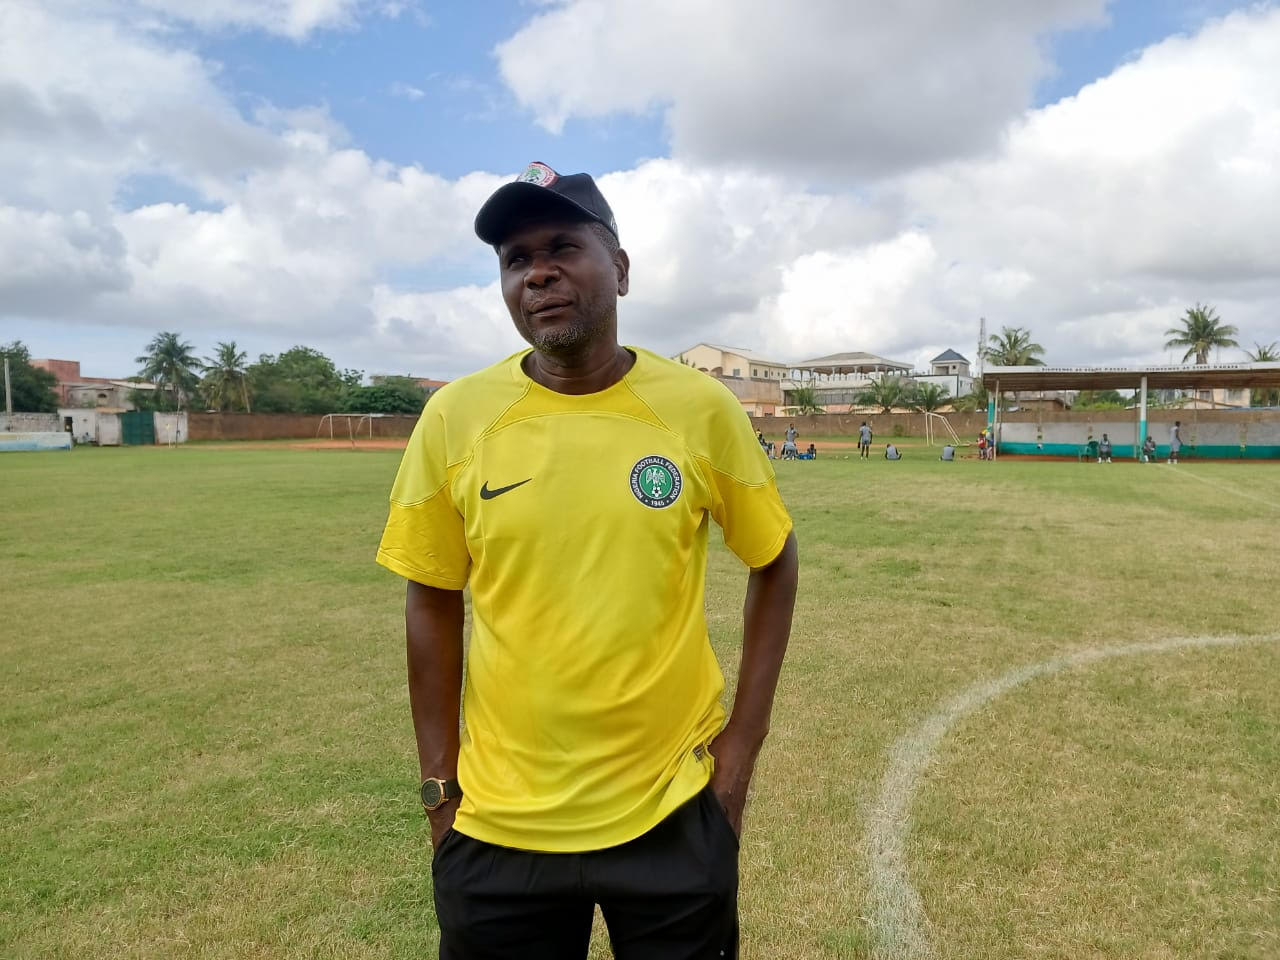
(539, 174)
(655, 481)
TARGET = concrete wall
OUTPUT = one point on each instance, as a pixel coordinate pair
(30, 423)
(92, 426)
(171, 427)
(1215, 434)
(967, 425)
(285, 426)
(25, 441)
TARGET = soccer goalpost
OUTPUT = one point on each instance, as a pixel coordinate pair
(930, 430)
(355, 424)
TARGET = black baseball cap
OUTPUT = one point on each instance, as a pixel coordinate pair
(541, 190)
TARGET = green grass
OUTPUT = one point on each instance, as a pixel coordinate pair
(206, 749)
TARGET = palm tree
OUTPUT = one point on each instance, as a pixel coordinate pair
(929, 397)
(170, 365)
(1265, 353)
(225, 377)
(974, 401)
(805, 400)
(1012, 347)
(1202, 330)
(885, 393)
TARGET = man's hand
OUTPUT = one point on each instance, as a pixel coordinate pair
(766, 625)
(441, 820)
(735, 756)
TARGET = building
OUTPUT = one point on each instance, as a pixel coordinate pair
(756, 381)
(951, 371)
(89, 393)
(838, 378)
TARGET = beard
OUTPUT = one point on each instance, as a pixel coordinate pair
(570, 338)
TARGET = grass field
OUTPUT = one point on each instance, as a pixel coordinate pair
(207, 752)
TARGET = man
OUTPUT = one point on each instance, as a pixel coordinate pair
(1104, 449)
(1175, 441)
(864, 441)
(891, 452)
(948, 453)
(1148, 449)
(568, 486)
(791, 433)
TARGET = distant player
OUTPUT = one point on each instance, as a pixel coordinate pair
(791, 433)
(1175, 441)
(864, 441)
(1104, 449)
(1148, 449)
(891, 452)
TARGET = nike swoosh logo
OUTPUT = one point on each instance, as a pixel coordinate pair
(487, 494)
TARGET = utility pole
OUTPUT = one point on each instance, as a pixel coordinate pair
(982, 343)
(8, 394)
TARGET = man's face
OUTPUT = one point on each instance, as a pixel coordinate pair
(561, 285)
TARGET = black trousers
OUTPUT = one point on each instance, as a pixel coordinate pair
(671, 894)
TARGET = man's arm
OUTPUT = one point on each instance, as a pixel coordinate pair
(766, 627)
(433, 632)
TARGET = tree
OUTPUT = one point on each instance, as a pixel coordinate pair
(885, 393)
(974, 401)
(226, 378)
(1202, 330)
(1268, 353)
(170, 365)
(299, 380)
(805, 400)
(392, 395)
(1101, 400)
(1012, 347)
(33, 390)
(929, 397)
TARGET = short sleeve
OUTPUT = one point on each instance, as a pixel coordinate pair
(425, 538)
(745, 499)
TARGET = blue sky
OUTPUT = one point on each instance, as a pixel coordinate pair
(250, 223)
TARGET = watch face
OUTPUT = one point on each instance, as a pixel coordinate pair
(432, 793)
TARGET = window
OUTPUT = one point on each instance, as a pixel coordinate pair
(737, 372)
(755, 372)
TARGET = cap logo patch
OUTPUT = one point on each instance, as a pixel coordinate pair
(539, 174)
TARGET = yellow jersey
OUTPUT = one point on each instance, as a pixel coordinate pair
(580, 524)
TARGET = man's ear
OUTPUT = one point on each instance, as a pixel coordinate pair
(623, 265)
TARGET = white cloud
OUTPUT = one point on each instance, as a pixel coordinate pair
(1094, 221)
(408, 91)
(291, 18)
(838, 88)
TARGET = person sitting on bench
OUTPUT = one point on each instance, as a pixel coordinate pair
(1104, 449)
(789, 450)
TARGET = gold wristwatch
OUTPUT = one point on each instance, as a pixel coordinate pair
(436, 793)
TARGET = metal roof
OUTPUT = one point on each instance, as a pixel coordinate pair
(848, 362)
(948, 355)
(1200, 376)
(745, 354)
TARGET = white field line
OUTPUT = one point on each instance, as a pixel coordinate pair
(899, 927)
(1221, 486)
